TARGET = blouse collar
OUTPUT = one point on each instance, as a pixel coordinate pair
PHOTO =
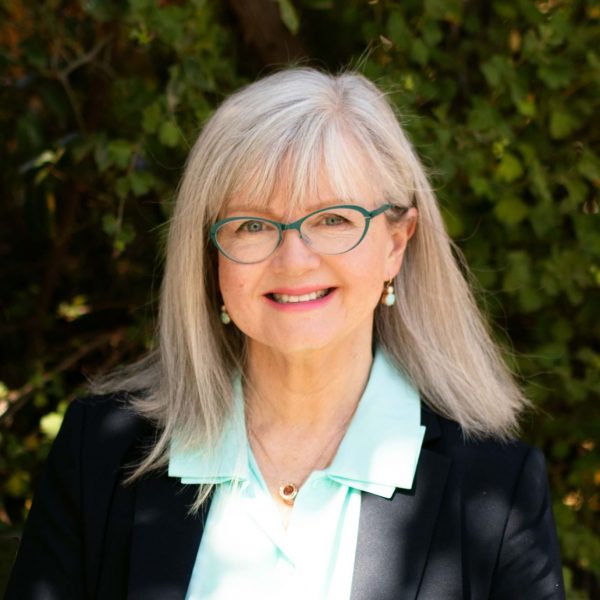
(378, 453)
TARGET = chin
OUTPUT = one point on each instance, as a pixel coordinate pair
(299, 342)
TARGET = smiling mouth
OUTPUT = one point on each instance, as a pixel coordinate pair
(289, 299)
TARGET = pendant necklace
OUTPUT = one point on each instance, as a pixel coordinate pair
(288, 491)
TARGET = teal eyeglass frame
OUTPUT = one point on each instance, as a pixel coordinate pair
(281, 227)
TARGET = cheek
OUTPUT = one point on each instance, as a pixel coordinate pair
(236, 283)
(231, 281)
(373, 261)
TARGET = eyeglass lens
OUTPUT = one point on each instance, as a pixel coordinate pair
(333, 231)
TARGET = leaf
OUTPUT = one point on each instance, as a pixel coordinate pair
(511, 210)
(101, 156)
(123, 238)
(419, 52)
(593, 59)
(289, 16)
(47, 157)
(121, 233)
(119, 153)
(539, 181)
(141, 182)
(557, 30)
(122, 187)
(530, 299)
(589, 166)
(485, 117)
(50, 424)
(576, 188)
(398, 31)
(41, 175)
(110, 224)
(17, 484)
(168, 134)
(518, 272)
(454, 224)
(480, 185)
(562, 330)
(70, 311)
(141, 35)
(510, 168)
(556, 76)
(562, 123)
(151, 117)
(432, 34)
(496, 70)
(527, 106)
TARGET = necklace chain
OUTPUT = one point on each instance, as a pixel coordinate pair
(289, 490)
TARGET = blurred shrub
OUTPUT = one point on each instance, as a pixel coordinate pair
(101, 100)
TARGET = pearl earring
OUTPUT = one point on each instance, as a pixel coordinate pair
(388, 298)
(225, 318)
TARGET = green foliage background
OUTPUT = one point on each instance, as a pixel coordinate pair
(101, 101)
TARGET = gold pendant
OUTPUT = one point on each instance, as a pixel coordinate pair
(288, 493)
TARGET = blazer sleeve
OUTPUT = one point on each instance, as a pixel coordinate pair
(529, 563)
(49, 561)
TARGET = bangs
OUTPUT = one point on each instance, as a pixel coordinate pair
(322, 162)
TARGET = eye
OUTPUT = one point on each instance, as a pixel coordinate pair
(332, 220)
(251, 227)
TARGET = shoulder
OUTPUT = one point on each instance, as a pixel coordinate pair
(482, 461)
(496, 500)
(107, 407)
(501, 483)
(103, 425)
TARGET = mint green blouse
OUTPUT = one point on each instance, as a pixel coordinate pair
(245, 551)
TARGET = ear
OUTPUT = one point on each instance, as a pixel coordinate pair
(400, 231)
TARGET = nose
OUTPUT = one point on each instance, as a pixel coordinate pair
(294, 254)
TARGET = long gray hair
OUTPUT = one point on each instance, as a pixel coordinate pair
(290, 128)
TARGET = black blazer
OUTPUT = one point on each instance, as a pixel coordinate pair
(477, 523)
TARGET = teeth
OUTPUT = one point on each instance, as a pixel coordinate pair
(286, 298)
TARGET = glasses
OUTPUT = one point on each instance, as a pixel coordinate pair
(331, 230)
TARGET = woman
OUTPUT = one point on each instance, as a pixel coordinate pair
(326, 415)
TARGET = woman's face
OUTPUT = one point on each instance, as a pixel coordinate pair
(262, 298)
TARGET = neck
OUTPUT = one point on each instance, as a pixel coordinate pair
(316, 389)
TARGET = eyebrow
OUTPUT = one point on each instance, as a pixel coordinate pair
(250, 210)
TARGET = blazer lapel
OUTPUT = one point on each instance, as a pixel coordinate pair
(165, 539)
(394, 534)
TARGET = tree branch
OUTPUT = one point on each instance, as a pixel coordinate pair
(16, 399)
(262, 28)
